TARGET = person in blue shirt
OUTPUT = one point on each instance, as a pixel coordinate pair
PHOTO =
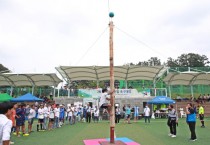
(128, 114)
(20, 119)
(84, 113)
(191, 120)
(62, 115)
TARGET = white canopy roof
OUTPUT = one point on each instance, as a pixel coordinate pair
(11, 79)
(187, 78)
(98, 73)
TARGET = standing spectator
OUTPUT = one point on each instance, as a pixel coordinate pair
(13, 115)
(191, 120)
(20, 119)
(172, 120)
(128, 114)
(57, 114)
(70, 115)
(96, 114)
(31, 116)
(124, 116)
(79, 113)
(40, 117)
(201, 114)
(51, 117)
(88, 117)
(5, 123)
(72, 109)
(84, 113)
(117, 115)
(136, 113)
(65, 113)
(147, 114)
(27, 110)
(75, 112)
(46, 113)
(62, 115)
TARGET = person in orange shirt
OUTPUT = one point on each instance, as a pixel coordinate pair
(12, 117)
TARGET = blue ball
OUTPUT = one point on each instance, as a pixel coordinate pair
(111, 14)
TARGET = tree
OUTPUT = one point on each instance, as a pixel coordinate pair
(153, 61)
(172, 62)
(188, 60)
(3, 69)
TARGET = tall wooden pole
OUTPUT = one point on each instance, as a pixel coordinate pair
(112, 97)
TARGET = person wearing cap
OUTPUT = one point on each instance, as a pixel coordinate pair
(5, 123)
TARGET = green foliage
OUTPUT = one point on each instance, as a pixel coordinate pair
(153, 61)
(3, 69)
(188, 60)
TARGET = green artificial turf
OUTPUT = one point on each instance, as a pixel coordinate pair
(155, 133)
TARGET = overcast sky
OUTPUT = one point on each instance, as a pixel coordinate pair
(39, 35)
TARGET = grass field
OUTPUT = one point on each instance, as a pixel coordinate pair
(155, 133)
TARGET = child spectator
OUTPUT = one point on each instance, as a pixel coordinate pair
(51, 117)
(40, 118)
(96, 115)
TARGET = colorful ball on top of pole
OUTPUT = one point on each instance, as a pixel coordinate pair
(111, 14)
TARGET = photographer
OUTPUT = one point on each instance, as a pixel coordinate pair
(172, 120)
(191, 120)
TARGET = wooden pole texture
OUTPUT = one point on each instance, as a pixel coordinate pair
(112, 97)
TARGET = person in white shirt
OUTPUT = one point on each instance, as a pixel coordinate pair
(31, 116)
(104, 101)
(79, 112)
(147, 114)
(88, 116)
(70, 114)
(51, 117)
(40, 117)
(46, 113)
(57, 115)
(96, 114)
(5, 123)
(117, 114)
(75, 115)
